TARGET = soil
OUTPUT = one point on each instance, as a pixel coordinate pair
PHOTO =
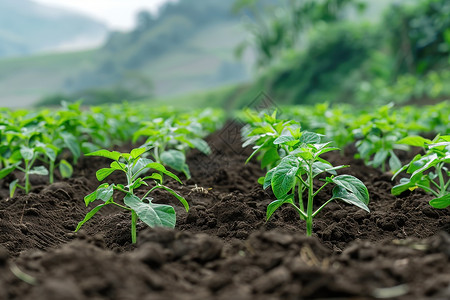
(223, 248)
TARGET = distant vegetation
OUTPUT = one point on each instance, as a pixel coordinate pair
(27, 27)
(127, 60)
(301, 52)
(189, 47)
(327, 57)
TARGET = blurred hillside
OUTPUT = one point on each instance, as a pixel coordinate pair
(189, 47)
(27, 27)
(311, 52)
(296, 51)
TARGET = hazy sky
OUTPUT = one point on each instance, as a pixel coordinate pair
(117, 14)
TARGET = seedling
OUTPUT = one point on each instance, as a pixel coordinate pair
(429, 171)
(262, 131)
(134, 166)
(299, 168)
(377, 136)
(24, 157)
(169, 139)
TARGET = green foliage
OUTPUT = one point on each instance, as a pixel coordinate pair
(406, 88)
(134, 167)
(278, 27)
(375, 133)
(294, 159)
(96, 96)
(169, 139)
(428, 171)
(377, 138)
(418, 35)
(41, 142)
(403, 58)
(321, 71)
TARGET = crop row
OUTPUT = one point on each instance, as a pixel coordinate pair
(377, 134)
(290, 154)
(42, 142)
(289, 145)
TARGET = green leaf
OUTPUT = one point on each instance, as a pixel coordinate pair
(139, 166)
(90, 214)
(72, 143)
(5, 171)
(27, 153)
(414, 140)
(137, 184)
(93, 196)
(186, 171)
(40, 170)
(154, 215)
(394, 162)
(118, 166)
(160, 168)
(405, 184)
(65, 168)
(343, 194)
(154, 176)
(105, 193)
(105, 153)
(421, 165)
(380, 158)
(268, 178)
(284, 176)
(135, 153)
(321, 167)
(49, 152)
(174, 159)
(309, 138)
(261, 180)
(283, 139)
(271, 156)
(103, 173)
(353, 185)
(274, 205)
(201, 145)
(12, 187)
(441, 202)
(180, 198)
(325, 150)
(90, 198)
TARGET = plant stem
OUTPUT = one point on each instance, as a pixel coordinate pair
(300, 212)
(134, 218)
(441, 179)
(121, 206)
(309, 211)
(300, 196)
(320, 208)
(427, 189)
(51, 169)
(320, 189)
(27, 177)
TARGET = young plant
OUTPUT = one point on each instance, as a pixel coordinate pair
(25, 151)
(262, 131)
(429, 171)
(169, 140)
(294, 175)
(134, 167)
(377, 136)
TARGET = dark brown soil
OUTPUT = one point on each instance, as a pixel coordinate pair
(223, 248)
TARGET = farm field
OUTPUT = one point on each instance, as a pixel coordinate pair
(223, 246)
